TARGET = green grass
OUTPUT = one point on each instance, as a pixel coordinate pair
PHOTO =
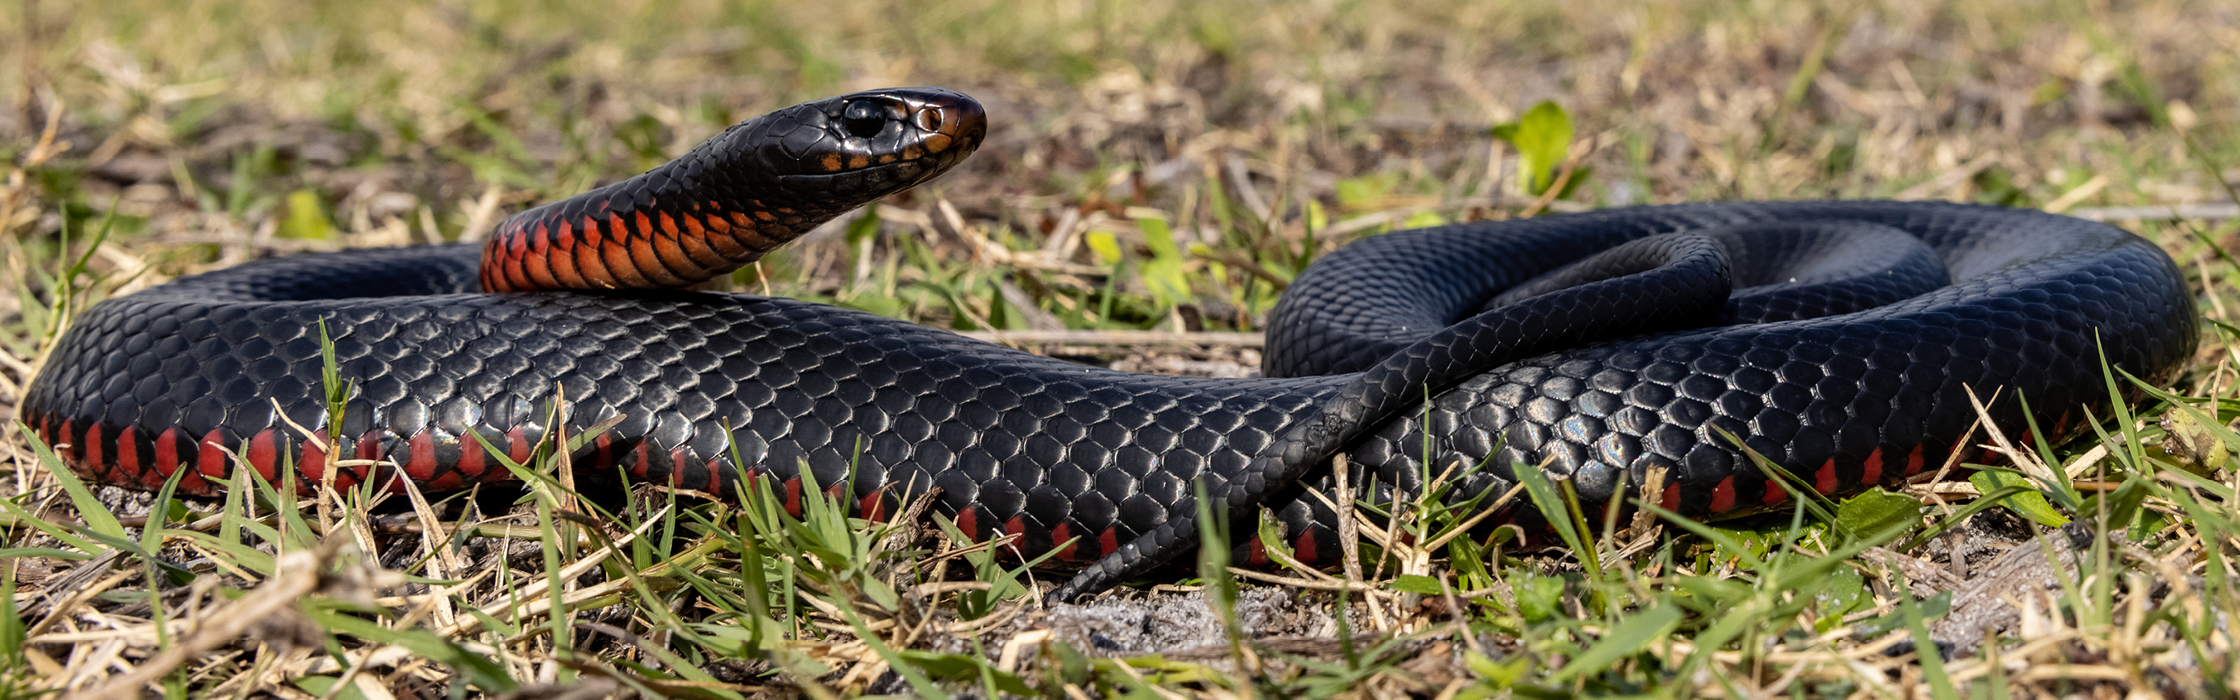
(1164, 165)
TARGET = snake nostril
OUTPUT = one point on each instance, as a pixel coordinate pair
(929, 119)
(863, 119)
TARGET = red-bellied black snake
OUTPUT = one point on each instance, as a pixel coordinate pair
(1838, 339)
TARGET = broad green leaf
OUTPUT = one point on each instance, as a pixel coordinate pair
(1538, 597)
(1424, 219)
(1542, 138)
(1169, 286)
(1841, 590)
(1157, 236)
(1755, 540)
(1411, 583)
(1163, 272)
(306, 220)
(1875, 512)
(1270, 537)
(2029, 504)
(1366, 190)
(1104, 245)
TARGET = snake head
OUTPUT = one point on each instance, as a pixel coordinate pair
(855, 148)
(756, 186)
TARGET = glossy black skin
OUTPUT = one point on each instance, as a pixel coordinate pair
(1604, 379)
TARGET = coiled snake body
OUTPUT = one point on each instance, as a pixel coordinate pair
(1839, 339)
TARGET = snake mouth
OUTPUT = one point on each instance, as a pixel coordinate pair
(874, 142)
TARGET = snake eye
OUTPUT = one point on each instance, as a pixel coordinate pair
(863, 119)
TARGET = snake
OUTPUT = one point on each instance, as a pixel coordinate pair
(1737, 353)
